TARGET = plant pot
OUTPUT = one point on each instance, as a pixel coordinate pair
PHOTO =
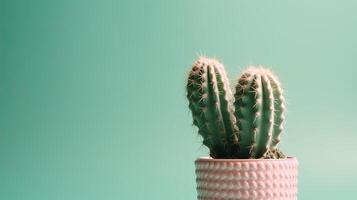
(236, 179)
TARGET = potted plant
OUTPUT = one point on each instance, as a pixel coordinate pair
(242, 132)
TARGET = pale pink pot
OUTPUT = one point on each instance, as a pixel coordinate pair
(248, 179)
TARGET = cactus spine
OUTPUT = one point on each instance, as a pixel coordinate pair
(246, 125)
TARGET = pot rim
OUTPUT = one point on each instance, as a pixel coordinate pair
(210, 159)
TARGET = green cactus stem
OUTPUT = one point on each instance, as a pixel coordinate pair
(211, 103)
(259, 107)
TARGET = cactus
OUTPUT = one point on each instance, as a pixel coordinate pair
(246, 125)
(259, 106)
(210, 100)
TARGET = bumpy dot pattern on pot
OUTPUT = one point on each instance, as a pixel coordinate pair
(246, 179)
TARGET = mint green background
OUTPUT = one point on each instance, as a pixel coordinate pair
(92, 100)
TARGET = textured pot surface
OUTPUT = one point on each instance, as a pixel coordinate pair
(236, 179)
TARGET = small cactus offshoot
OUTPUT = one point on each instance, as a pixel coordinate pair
(247, 124)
